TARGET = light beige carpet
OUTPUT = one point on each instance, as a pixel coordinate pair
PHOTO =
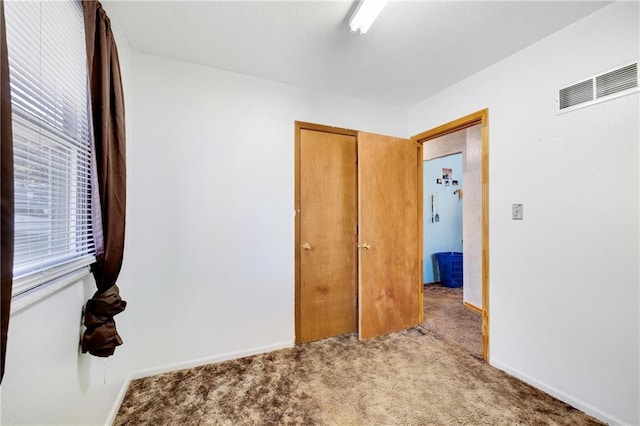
(406, 378)
(446, 317)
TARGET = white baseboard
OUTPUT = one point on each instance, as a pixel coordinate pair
(577, 403)
(209, 360)
(118, 401)
(188, 364)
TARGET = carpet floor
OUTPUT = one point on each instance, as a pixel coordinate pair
(413, 377)
(447, 318)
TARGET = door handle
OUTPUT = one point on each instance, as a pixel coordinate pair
(365, 246)
(306, 246)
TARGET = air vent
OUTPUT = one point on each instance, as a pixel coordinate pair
(618, 82)
(576, 94)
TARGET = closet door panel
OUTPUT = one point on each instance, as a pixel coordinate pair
(327, 250)
(389, 282)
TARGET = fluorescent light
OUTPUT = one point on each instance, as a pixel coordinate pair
(365, 14)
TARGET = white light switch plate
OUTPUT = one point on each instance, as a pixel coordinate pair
(516, 212)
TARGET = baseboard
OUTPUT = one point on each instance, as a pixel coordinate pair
(116, 404)
(577, 403)
(474, 308)
(209, 360)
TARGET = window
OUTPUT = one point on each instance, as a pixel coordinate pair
(51, 136)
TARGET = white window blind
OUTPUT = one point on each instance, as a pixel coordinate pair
(51, 137)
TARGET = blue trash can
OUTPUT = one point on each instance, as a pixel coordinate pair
(450, 268)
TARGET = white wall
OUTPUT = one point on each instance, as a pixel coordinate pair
(472, 217)
(564, 281)
(47, 379)
(212, 188)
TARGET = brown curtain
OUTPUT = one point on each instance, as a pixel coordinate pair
(6, 190)
(107, 105)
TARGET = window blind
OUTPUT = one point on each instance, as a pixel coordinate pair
(51, 136)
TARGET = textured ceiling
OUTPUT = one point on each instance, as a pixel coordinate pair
(414, 50)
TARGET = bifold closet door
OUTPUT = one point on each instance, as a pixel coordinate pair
(389, 263)
(327, 236)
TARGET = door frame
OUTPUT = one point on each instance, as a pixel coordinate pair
(479, 117)
(299, 126)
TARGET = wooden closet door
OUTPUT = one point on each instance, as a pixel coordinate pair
(389, 282)
(327, 244)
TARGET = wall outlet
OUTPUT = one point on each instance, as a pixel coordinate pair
(516, 212)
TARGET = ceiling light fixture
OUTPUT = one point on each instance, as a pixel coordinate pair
(365, 14)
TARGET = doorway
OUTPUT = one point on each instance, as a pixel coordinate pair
(479, 263)
(444, 186)
(452, 249)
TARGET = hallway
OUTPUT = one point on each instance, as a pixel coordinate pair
(447, 318)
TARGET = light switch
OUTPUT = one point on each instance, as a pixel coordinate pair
(516, 212)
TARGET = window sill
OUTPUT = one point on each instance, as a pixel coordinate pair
(24, 300)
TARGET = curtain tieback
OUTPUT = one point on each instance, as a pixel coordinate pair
(101, 337)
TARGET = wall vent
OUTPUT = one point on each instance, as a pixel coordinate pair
(576, 94)
(618, 82)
